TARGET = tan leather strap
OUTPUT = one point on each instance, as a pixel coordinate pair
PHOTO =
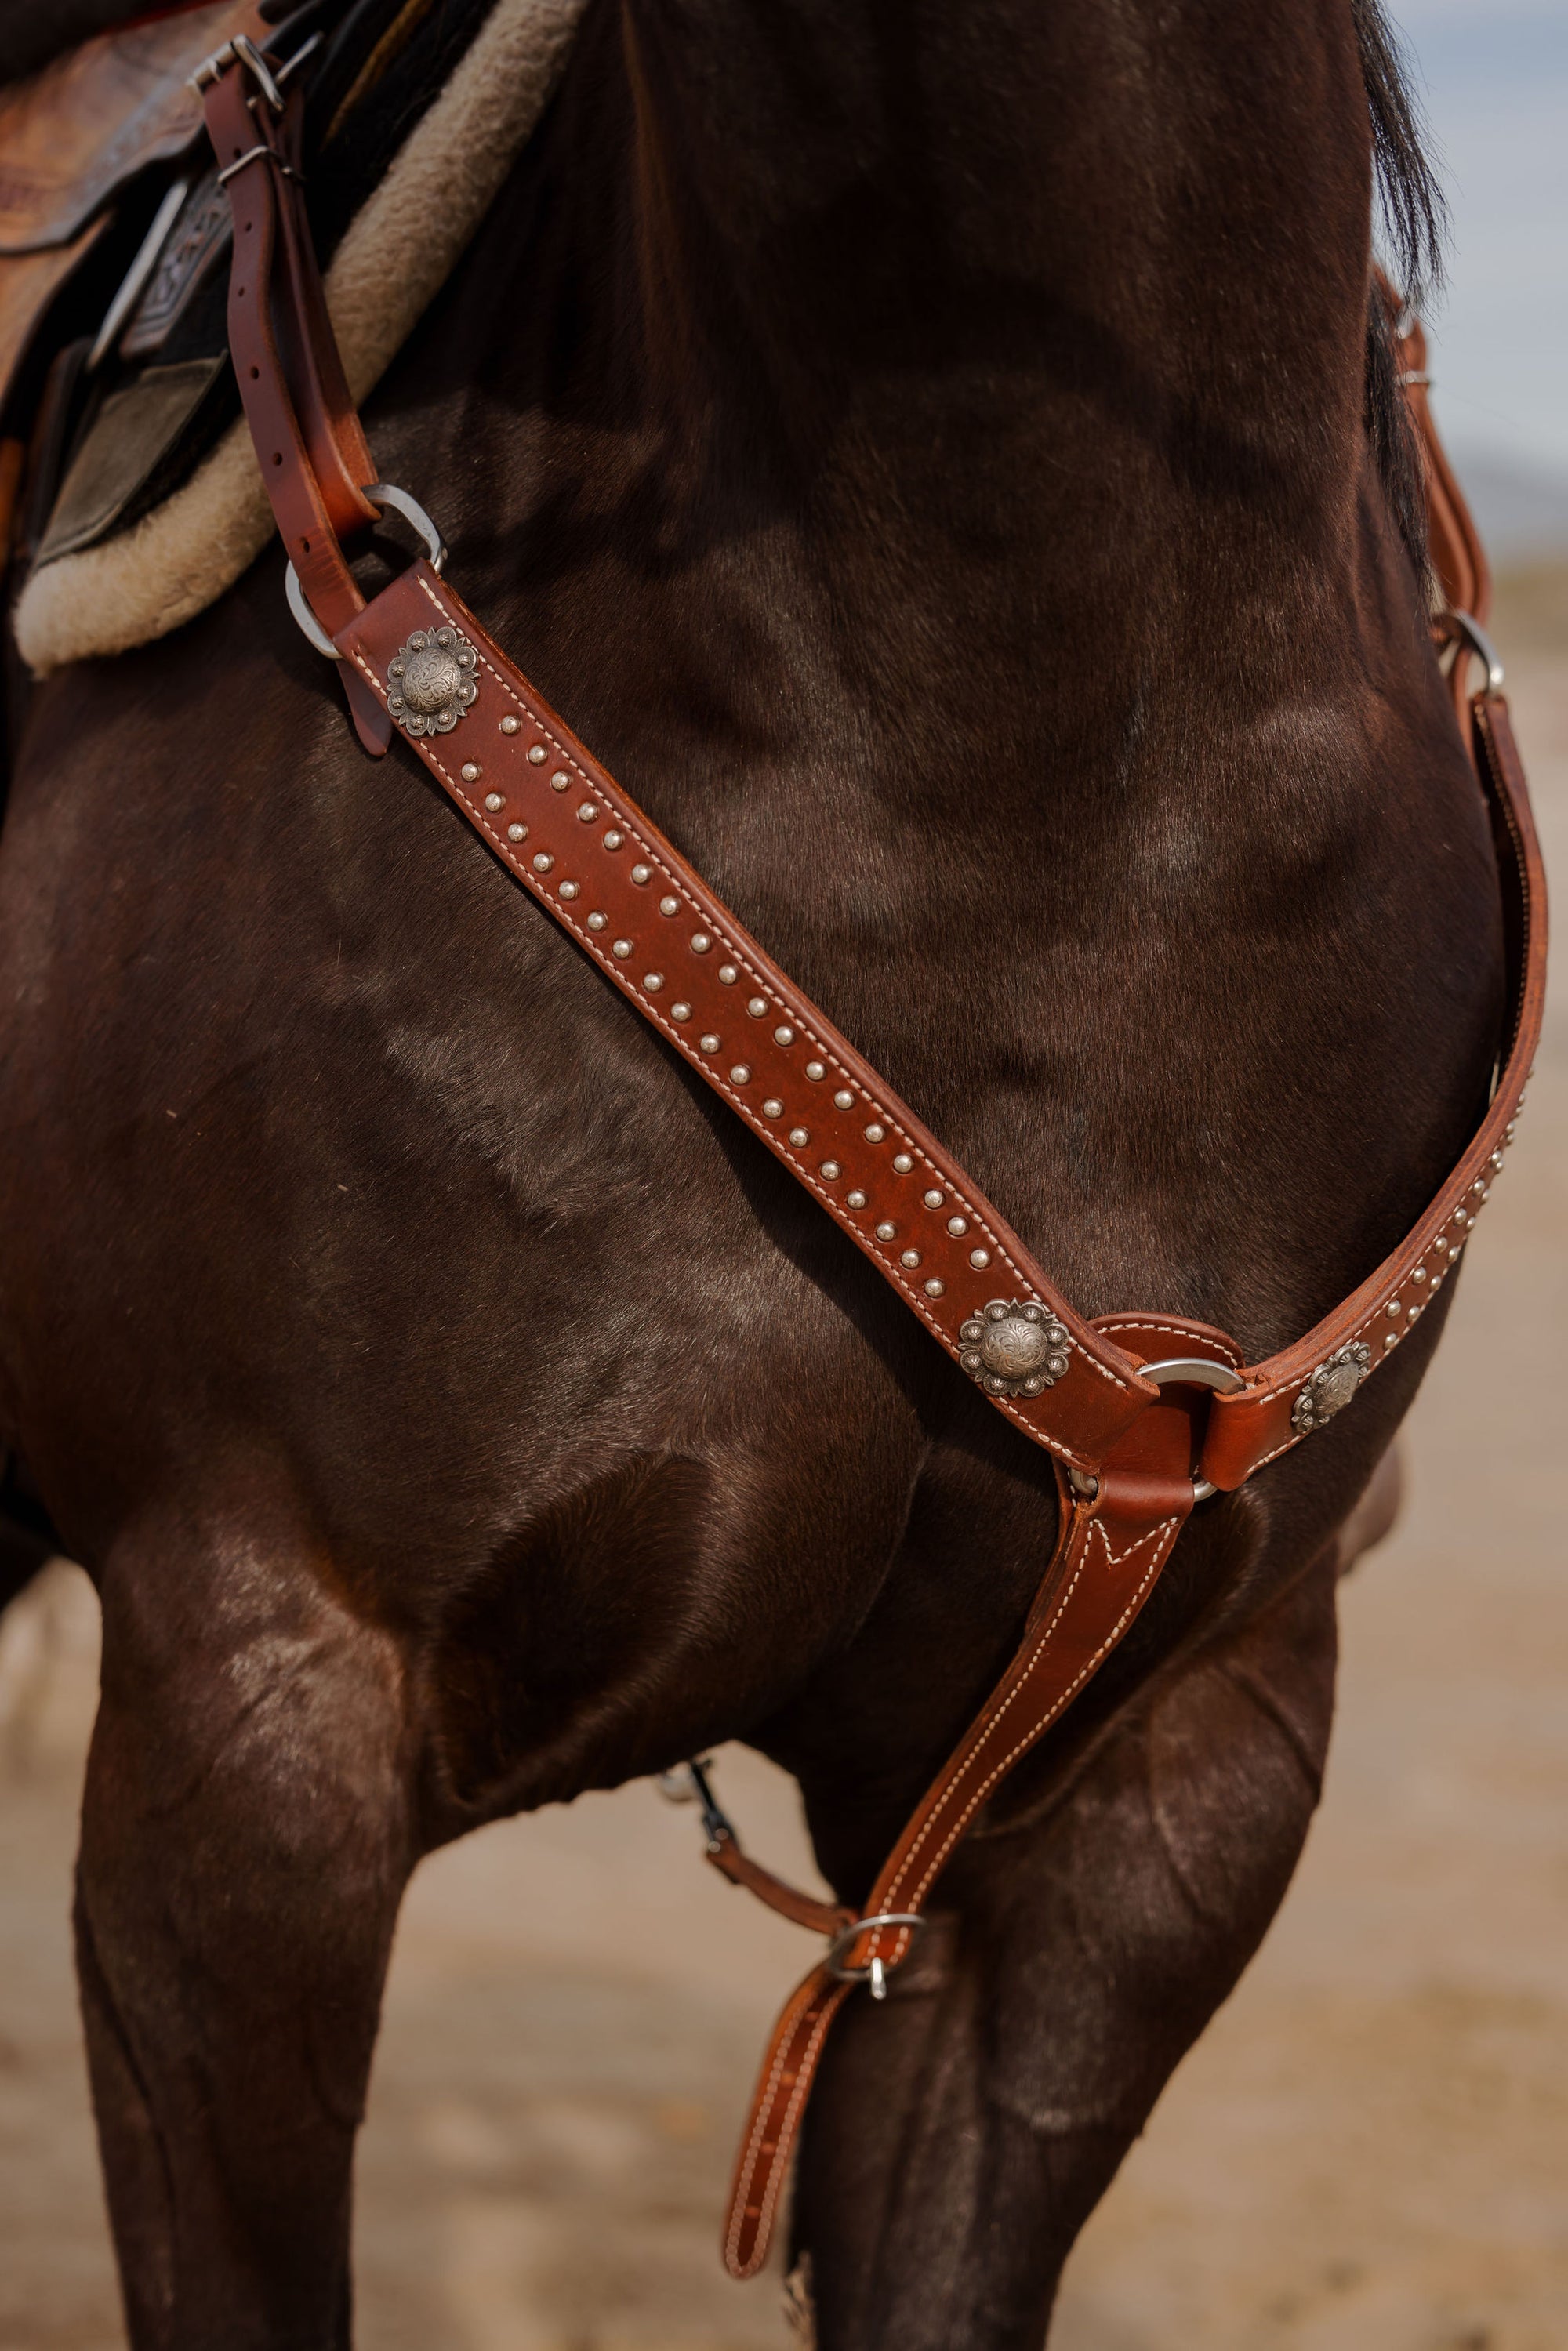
(1109, 1551)
(310, 444)
(1453, 541)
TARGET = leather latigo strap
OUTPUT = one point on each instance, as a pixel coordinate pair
(1126, 1448)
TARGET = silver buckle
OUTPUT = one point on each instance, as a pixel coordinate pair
(241, 51)
(382, 495)
(876, 1972)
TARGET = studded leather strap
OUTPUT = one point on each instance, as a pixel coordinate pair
(583, 850)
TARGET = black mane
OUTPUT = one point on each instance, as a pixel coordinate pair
(1412, 217)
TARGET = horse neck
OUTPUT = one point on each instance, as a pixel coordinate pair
(1029, 304)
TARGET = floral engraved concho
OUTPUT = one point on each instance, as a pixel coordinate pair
(1330, 1388)
(431, 682)
(1014, 1348)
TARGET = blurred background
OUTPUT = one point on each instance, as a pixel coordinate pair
(1369, 2149)
(1495, 83)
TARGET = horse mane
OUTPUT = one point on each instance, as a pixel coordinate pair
(1412, 217)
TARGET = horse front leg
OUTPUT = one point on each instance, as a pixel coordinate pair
(245, 1839)
(962, 2133)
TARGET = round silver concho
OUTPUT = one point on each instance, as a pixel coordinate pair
(1330, 1388)
(431, 680)
(1014, 1347)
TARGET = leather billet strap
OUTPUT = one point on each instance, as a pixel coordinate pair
(1126, 1447)
(309, 443)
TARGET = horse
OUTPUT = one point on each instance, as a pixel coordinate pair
(454, 1410)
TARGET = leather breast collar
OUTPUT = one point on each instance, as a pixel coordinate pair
(1143, 1414)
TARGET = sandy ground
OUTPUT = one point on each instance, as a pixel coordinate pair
(1368, 2151)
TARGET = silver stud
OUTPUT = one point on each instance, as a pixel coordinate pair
(1392, 1306)
(653, 981)
(710, 1043)
(621, 949)
(641, 873)
(784, 1036)
(831, 1170)
(728, 974)
(979, 1258)
(1418, 1273)
(1391, 1338)
(570, 889)
(885, 1230)
(493, 800)
(910, 1257)
(470, 773)
(957, 1227)
(798, 1137)
(773, 1107)
(680, 1011)
(669, 905)
(757, 1006)
(854, 1199)
(537, 753)
(1497, 1159)
(517, 832)
(561, 781)
(740, 1075)
(613, 839)
(934, 1199)
(587, 812)
(509, 725)
(843, 1099)
(873, 1132)
(598, 922)
(816, 1071)
(700, 943)
(543, 865)
(903, 1162)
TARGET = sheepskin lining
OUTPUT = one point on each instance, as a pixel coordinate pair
(394, 259)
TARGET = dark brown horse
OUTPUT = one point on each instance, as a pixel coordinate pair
(455, 1410)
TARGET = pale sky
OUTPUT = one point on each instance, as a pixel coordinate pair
(1493, 80)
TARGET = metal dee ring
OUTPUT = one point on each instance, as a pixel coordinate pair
(1197, 1372)
(875, 1971)
(381, 495)
(1469, 633)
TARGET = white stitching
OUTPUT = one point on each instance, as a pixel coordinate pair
(1167, 1527)
(891, 1271)
(1108, 1323)
(738, 953)
(798, 2009)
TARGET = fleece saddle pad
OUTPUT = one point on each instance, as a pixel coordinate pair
(160, 505)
